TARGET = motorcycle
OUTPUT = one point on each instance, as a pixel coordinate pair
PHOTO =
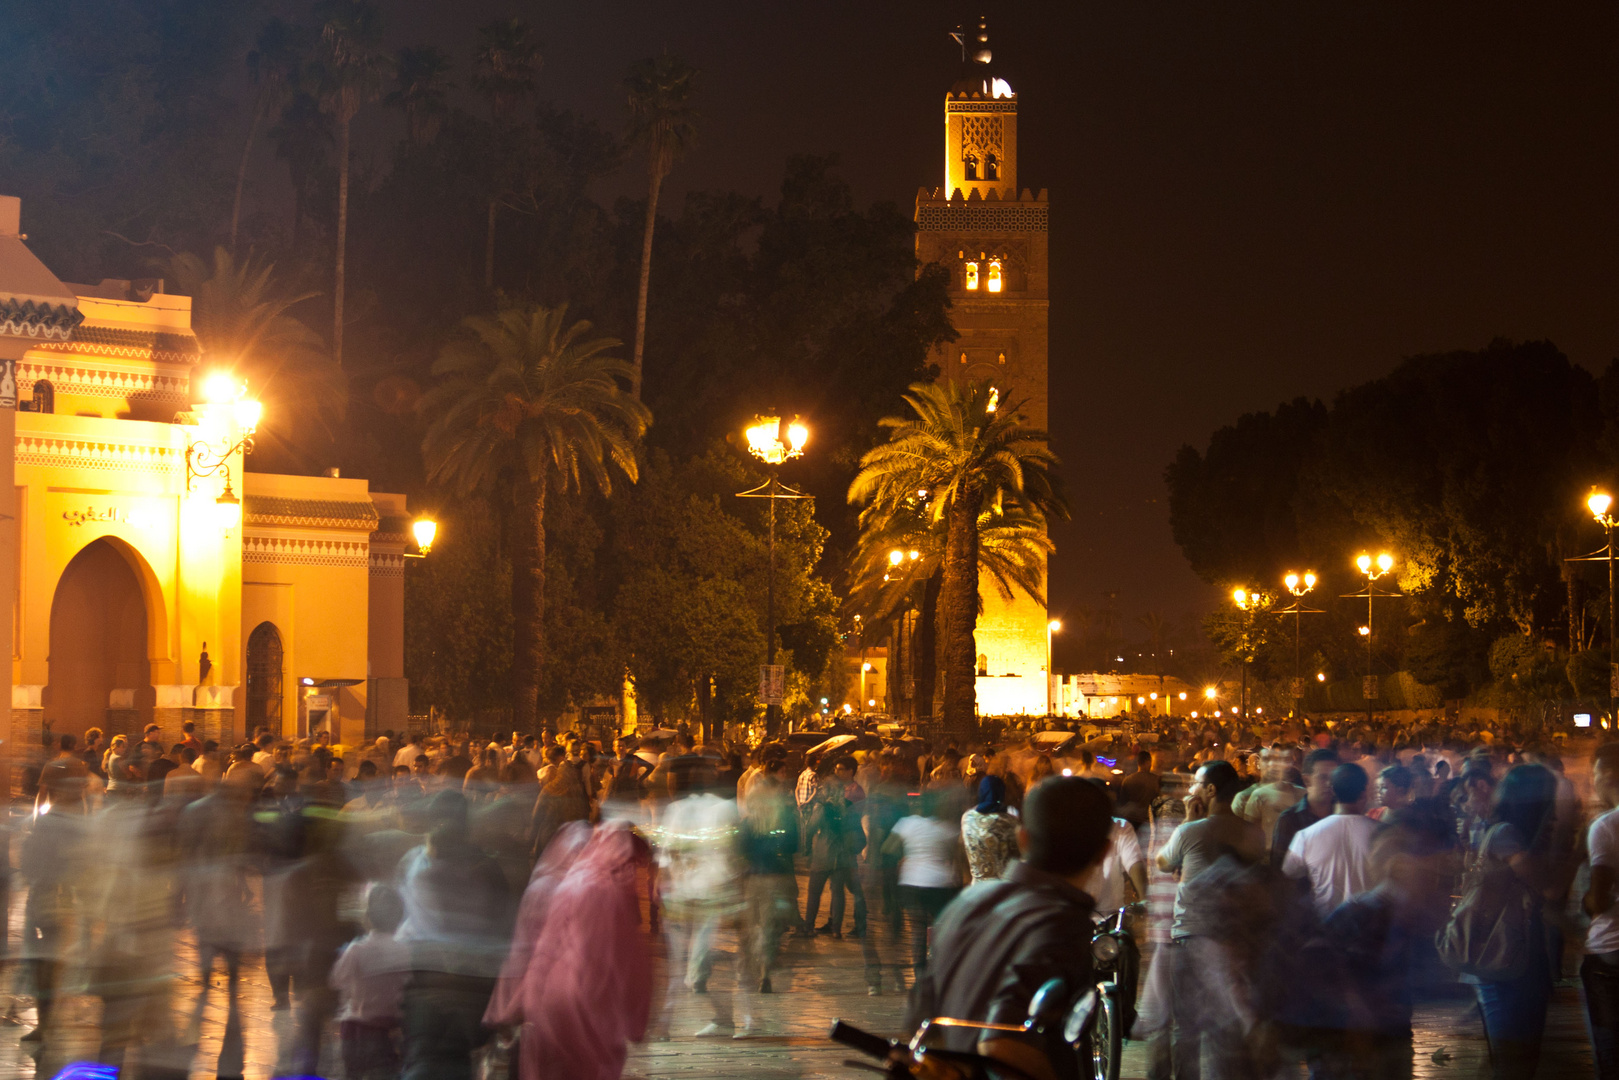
(1118, 972)
(916, 1060)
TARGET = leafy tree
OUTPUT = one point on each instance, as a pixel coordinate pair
(1469, 466)
(528, 404)
(663, 121)
(967, 453)
(1232, 507)
(349, 71)
(458, 617)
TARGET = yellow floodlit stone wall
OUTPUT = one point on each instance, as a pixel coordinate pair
(128, 573)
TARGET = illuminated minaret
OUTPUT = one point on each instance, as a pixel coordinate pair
(992, 239)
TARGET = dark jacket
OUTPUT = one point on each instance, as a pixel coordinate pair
(995, 945)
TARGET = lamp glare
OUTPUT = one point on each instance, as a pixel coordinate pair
(424, 529)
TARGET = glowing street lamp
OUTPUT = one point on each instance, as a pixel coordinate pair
(424, 530)
(1052, 627)
(1373, 569)
(1298, 586)
(765, 442)
(1250, 602)
(1598, 503)
(211, 457)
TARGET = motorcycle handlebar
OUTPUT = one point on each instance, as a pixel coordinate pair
(864, 1041)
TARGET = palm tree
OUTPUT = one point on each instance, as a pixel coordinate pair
(530, 402)
(507, 61)
(1012, 551)
(350, 72)
(244, 323)
(421, 86)
(662, 119)
(277, 56)
(961, 455)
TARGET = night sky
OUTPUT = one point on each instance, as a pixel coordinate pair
(1250, 200)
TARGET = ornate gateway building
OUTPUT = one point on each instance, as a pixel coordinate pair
(150, 578)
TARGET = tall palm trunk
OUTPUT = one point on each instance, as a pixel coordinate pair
(958, 608)
(925, 647)
(646, 272)
(241, 167)
(342, 233)
(528, 605)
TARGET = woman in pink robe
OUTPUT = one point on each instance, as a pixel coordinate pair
(587, 993)
(506, 1006)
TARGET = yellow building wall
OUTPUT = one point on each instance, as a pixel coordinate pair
(310, 576)
(110, 464)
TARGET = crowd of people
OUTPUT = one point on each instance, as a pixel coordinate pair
(424, 905)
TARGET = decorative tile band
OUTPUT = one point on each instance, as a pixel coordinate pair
(283, 551)
(37, 450)
(93, 382)
(971, 105)
(387, 566)
(993, 217)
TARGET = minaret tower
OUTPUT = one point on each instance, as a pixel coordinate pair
(992, 239)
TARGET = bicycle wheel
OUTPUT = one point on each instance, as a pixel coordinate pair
(1107, 1036)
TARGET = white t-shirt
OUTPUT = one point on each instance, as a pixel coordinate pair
(1335, 854)
(408, 754)
(1106, 883)
(1603, 840)
(930, 850)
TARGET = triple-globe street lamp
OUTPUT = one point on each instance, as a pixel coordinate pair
(766, 442)
(1250, 602)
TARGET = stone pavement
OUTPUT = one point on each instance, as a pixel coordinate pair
(816, 981)
(823, 979)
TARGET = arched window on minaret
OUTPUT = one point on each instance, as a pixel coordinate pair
(971, 276)
(44, 397)
(992, 167)
(971, 165)
(994, 275)
(983, 664)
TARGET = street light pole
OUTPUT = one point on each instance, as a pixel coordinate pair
(1298, 587)
(1051, 628)
(1598, 504)
(1250, 602)
(765, 442)
(1373, 571)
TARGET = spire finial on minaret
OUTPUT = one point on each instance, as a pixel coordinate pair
(981, 53)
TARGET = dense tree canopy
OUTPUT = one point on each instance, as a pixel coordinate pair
(1470, 466)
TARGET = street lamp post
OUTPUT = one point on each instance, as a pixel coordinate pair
(1298, 586)
(1598, 504)
(765, 442)
(1052, 627)
(1373, 569)
(1250, 602)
